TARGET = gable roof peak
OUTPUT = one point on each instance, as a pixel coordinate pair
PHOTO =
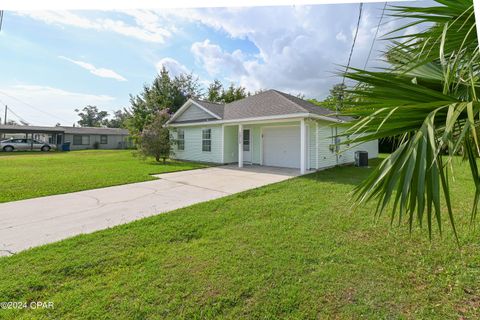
(206, 101)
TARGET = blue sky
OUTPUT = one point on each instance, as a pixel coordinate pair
(58, 61)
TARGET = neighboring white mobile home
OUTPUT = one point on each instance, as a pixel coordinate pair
(92, 137)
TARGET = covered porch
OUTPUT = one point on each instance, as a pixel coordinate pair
(283, 144)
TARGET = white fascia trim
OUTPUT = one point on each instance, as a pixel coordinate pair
(180, 111)
(185, 107)
(258, 119)
(243, 121)
(268, 118)
(316, 116)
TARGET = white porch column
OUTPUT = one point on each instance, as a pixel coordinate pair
(240, 145)
(303, 146)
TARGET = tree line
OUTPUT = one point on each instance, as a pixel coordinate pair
(166, 92)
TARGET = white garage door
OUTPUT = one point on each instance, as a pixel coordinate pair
(281, 146)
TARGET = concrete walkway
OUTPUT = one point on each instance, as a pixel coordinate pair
(33, 222)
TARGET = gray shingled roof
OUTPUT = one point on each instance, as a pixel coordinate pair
(271, 103)
(215, 108)
(95, 130)
(62, 129)
(312, 108)
(12, 128)
(264, 104)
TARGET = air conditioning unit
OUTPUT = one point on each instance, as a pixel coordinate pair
(361, 158)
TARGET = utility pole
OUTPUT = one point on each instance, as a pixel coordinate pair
(5, 120)
(1, 19)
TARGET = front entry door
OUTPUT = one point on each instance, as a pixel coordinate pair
(247, 145)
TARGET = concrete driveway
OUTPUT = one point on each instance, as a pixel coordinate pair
(33, 222)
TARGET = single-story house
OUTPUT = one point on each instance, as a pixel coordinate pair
(270, 128)
(79, 137)
(106, 138)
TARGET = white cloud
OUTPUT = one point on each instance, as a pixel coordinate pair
(99, 72)
(215, 60)
(299, 48)
(148, 26)
(58, 105)
(173, 66)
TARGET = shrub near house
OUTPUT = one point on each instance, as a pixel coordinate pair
(155, 138)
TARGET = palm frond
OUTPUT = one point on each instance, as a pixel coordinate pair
(428, 98)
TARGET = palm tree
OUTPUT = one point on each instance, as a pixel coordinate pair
(428, 97)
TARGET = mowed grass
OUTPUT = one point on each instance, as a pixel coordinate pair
(35, 174)
(290, 250)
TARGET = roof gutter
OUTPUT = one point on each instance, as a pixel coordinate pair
(316, 116)
(257, 119)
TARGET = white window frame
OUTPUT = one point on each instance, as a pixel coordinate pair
(249, 144)
(209, 140)
(181, 141)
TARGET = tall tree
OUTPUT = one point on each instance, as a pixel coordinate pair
(165, 93)
(215, 91)
(188, 86)
(428, 97)
(119, 119)
(337, 99)
(90, 116)
(233, 93)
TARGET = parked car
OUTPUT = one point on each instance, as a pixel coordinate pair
(24, 144)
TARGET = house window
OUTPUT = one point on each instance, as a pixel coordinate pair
(103, 139)
(181, 139)
(207, 140)
(246, 140)
(81, 140)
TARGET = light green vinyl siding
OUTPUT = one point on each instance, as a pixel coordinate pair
(194, 113)
(326, 157)
(193, 145)
(231, 144)
(311, 145)
(319, 139)
(256, 144)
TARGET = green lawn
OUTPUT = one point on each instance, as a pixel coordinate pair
(34, 174)
(289, 250)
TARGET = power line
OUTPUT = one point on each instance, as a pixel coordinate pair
(375, 37)
(33, 107)
(10, 109)
(350, 55)
(353, 44)
(345, 73)
(19, 118)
